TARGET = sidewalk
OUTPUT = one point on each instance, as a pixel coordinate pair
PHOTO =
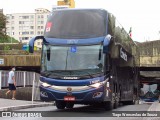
(154, 107)
(11, 105)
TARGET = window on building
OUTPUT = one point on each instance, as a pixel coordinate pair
(32, 16)
(31, 27)
(41, 32)
(8, 17)
(42, 16)
(21, 22)
(31, 32)
(12, 28)
(20, 17)
(38, 32)
(25, 17)
(42, 22)
(25, 38)
(7, 21)
(41, 27)
(25, 33)
(12, 17)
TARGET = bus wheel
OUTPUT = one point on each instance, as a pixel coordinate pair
(116, 104)
(108, 105)
(60, 104)
(69, 105)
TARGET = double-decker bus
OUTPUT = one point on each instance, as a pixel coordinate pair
(87, 58)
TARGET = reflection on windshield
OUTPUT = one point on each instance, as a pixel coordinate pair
(150, 91)
(73, 60)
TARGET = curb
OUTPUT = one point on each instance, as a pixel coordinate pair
(12, 108)
(153, 106)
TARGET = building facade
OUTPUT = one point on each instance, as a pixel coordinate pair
(24, 26)
(1, 10)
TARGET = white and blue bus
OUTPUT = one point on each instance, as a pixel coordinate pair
(87, 58)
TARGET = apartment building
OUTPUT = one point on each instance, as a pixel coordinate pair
(24, 26)
(1, 10)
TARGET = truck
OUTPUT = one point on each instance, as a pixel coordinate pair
(87, 58)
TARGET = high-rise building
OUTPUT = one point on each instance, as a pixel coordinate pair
(1, 10)
(24, 26)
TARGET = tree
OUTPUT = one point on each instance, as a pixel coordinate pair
(2, 27)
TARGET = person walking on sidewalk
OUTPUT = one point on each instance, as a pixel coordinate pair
(12, 83)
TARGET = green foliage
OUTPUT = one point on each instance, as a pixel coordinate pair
(6, 47)
(8, 39)
(2, 27)
(11, 46)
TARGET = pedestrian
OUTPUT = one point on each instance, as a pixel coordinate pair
(12, 83)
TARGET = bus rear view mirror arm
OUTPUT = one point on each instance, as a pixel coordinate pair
(31, 42)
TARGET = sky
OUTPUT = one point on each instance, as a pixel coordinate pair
(142, 15)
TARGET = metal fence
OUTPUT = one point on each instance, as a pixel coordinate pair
(23, 79)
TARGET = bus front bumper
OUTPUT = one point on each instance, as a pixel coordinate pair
(92, 95)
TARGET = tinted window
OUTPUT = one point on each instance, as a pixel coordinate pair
(76, 24)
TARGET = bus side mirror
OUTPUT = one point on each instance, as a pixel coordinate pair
(31, 42)
(106, 43)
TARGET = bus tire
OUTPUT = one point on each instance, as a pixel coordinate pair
(69, 105)
(108, 105)
(60, 104)
(116, 104)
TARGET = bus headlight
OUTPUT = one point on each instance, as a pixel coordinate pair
(44, 84)
(97, 85)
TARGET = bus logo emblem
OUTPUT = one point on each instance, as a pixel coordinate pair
(69, 89)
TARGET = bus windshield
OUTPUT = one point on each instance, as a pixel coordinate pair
(72, 61)
(149, 92)
(76, 24)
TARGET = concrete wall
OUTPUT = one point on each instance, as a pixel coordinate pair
(22, 94)
(150, 54)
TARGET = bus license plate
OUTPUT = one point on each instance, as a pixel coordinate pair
(69, 98)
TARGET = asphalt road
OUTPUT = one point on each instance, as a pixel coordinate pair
(84, 113)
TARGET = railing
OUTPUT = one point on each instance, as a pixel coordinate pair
(23, 78)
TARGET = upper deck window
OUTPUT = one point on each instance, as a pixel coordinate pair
(76, 24)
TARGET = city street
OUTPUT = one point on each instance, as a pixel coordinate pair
(80, 112)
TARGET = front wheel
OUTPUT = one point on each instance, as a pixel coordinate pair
(60, 104)
(108, 105)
